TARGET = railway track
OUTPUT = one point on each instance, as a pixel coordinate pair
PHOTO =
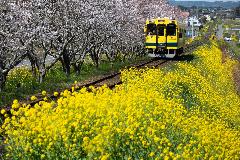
(114, 78)
(110, 80)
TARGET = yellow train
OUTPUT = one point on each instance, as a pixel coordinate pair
(164, 37)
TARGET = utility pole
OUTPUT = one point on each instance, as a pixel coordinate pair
(192, 28)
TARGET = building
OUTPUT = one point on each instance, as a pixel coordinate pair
(193, 27)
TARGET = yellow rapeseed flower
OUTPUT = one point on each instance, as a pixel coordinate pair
(3, 111)
(15, 101)
(44, 93)
(33, 98)
(55, 94)
(151, 154)
(190, 111)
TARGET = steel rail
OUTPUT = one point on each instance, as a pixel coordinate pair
(154, 62)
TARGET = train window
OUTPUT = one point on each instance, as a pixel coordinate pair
(151, 29)
(171, 30)
(160, 29)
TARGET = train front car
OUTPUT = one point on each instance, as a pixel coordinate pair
(163, 38)
(155, 37)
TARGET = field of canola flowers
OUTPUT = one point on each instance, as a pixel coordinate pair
(190, 112)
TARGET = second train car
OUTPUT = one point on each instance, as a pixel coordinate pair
(164, 37)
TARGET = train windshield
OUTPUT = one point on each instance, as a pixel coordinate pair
(171, 30)
(160, 29)
(151, 29)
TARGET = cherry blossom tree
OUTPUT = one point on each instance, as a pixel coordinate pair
(13, 40)
(70, 30)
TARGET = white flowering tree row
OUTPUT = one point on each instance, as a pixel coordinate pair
(69, 30)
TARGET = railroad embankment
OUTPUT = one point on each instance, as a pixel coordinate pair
(187, 111)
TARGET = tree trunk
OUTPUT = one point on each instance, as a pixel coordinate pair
(42, 76)
(63, 65)
(97, 62)
(109, 57)
(94, 57)
(34, 68)
(33, 63)
(77, 68)
(34, 71)
(42, 73)
(65, 60)
(3, 78)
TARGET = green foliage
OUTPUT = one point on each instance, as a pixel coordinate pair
(21, 83)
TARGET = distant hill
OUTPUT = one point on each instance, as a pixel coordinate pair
(229, 4)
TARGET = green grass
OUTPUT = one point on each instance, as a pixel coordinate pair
(21, 84)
